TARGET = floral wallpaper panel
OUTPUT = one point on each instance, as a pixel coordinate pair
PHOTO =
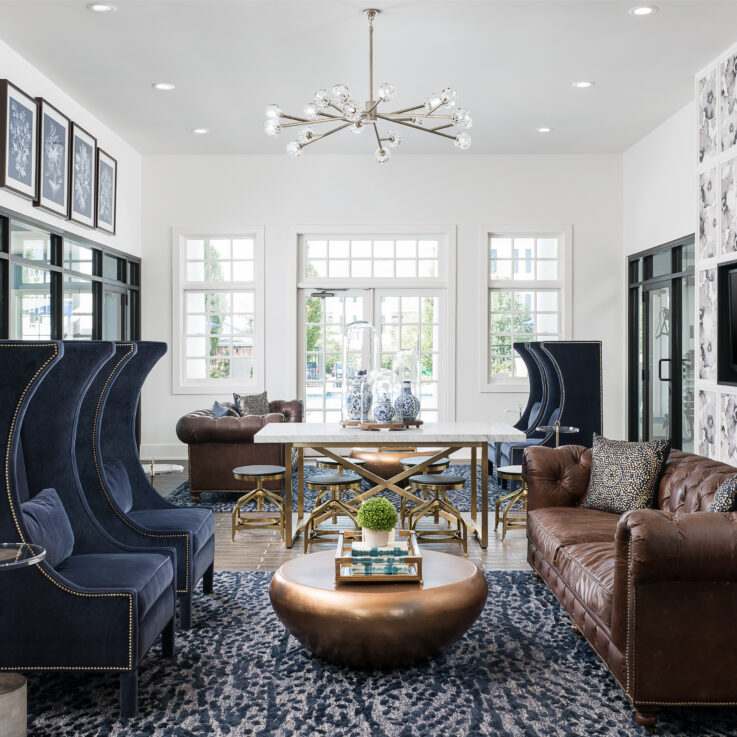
(707, 409)
(729, 428)
(707, 324)
(729, 205)
(708, 116)
(708, 212)
(728, 96)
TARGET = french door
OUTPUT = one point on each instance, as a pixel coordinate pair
(405, 318)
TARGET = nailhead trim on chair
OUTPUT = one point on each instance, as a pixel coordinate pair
(187, 585)
(40, 567)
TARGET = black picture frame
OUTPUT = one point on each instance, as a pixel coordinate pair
(82, 176)
(18, 156)
(54, 143)
(107, 192)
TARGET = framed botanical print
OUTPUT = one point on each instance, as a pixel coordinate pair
(53, 159)
(107, 191)
(82, 177)
(18, 123)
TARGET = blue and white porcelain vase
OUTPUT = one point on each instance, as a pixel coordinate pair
(359, 388)
(383, 410)
(407, 405)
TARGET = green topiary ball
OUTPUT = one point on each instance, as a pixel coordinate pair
(377, 513)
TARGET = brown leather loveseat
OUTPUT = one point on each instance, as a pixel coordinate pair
(217, 445)
(653, 591)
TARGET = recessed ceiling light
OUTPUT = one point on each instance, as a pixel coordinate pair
(101, 7)
(163, 86)
(200, 131)
(643, 10)
(583, 85)
(544, 130)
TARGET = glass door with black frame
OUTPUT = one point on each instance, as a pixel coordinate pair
(657, 313)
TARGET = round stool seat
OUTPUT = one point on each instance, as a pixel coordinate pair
(255, 472)
(330, 463)
(435, 479)
(416, 460)
(509, 472)
(332, 479)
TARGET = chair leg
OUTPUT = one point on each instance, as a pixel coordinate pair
(129, 694)
(208, 578)
(185, 611)
(167, 639)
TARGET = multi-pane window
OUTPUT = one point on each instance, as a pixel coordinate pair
(399, 283)
(218, 305)
(371, 258)
(526, 297)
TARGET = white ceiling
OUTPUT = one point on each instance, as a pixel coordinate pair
(513, 63)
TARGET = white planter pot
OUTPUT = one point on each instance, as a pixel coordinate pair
(375, 538)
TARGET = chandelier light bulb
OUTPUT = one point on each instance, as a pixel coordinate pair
(394, 138)
(273, 111)
(272, 127)
(463, 141)
(432, 102)
(294, 149)
(352, 111)
(356, 128)
(448, 98)
(383, 155)
(310, 111)
(322, 99)
(461, 117)
(340, 94)
(386, 91)
(305, 135)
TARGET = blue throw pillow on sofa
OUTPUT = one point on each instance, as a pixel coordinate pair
(222, 410)
(119, 484)
(48, 525)
(725, 497)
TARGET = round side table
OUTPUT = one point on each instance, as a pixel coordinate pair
(13, 689)
(160, 469)
(559, 430)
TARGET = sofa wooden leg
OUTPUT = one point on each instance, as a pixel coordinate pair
(129, 694)
(167, 639)
(185, 611)
(196, 496)
(536, 576)
(646, 717)
(207, 579)
(577, 631)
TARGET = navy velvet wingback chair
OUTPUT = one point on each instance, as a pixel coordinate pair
(117, 488)
(571, 374)
(93, 604)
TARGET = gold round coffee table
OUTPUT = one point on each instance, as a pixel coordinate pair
(378, 626)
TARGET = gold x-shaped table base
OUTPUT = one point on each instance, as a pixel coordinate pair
(294, 523)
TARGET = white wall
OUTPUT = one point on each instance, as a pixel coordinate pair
(277, 192)
(658, 184)
(128, 238)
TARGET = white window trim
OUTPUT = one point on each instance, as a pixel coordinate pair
(565, 235)
(179, 234)
(446, 280)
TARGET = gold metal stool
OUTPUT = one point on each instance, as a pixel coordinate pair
(259, 519)
(330, 463)
(439, 506)
(334, 484)
(439, 466)
(511, 473)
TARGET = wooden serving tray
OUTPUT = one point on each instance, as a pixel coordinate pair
(344, 566)
(381, 425)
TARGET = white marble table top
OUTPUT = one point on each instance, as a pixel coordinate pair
(318, 434)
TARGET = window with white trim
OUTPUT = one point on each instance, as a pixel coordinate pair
(526, 277)
(399, 281)
(218, 309)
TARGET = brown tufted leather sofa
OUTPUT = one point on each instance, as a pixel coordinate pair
(653, 591)
(217, 445)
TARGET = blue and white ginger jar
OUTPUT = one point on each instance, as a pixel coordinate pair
(358, 388)
(383, 410)
(407, 405)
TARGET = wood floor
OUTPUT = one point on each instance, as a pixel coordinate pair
(262, 550)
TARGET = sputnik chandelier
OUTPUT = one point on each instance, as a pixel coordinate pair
(336, 106)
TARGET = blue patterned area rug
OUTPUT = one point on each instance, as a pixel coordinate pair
(518, 672)
(224, 502)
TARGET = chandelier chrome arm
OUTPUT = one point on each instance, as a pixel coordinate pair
(351, 114)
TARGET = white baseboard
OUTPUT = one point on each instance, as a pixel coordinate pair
(164, 452)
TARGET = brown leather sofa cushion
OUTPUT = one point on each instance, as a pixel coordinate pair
(554, 528)
(588, 569)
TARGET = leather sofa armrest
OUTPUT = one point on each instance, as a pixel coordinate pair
(654, 546)
(202, 427)
(556, 477)
(292, 410)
